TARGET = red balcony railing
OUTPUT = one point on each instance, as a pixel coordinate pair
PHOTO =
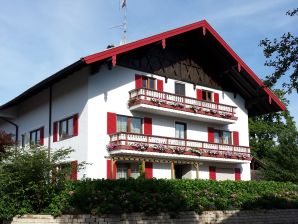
(182, 103)
(151, 143)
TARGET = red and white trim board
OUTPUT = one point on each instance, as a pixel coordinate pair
(237, 174)
(147, 126)
(111, 123)
(149, 170)
(159, 85)
(212, 173)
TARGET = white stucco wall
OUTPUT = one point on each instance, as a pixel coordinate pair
(92, 96)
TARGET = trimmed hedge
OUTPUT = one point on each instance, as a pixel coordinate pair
(154, 196)
(150, 196)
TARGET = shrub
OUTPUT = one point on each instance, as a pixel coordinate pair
(154, 196)
(26, 184)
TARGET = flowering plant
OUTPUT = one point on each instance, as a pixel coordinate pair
(160, 147)
(206, 110)
(195, 108)
(157, 101)
(214, 111)
(241, 156)
(196, 151)
(178, 149)
(176, 104)
(141, 146)
(212, 152)
(111, 146)
(228, 154)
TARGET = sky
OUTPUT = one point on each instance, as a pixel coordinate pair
(39, 38)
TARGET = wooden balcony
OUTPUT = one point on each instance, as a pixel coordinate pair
(170, 104)
(159, 144)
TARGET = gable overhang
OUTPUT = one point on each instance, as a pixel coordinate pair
(259, 98)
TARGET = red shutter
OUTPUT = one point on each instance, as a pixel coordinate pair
(159, 85)
(55, 132)
(109, 169)
(212, 172)
(216, 97)
(41, 142)
(111, 123)
(147, 126)
(235, 138)
(199, 94)
(211, 135)
(109, 176)
(149, 170)
(237, 174)
(138, 81)
(74, 170)
(75, 125)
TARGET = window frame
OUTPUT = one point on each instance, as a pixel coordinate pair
(129, 123)
(128, 167)
(35, 131)
(61, 137)
(185, 129)
(221, 137)
(204, 94)
(147, 79)
(182, 84)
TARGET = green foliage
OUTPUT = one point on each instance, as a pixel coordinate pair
(282, 55)
(26, 185)
(154, 196)
(274, 141)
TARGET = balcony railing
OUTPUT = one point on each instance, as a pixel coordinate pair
(151, 143)
(182, 103)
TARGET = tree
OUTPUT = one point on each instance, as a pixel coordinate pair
(282, 55)
(26, 183)
(274, 141)
(5, 141)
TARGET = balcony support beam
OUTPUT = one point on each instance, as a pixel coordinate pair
(172, 170)
(197, 170)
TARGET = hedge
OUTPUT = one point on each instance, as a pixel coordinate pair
(154, 196)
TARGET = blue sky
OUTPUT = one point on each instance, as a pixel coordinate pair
(38, 38)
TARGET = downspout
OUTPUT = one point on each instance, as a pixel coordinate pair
(16, 127)
(50, 121)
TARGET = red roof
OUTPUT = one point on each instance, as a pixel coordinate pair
(159, 37)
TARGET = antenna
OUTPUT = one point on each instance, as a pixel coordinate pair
(123, 6)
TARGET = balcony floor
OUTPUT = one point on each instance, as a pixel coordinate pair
(181, 114)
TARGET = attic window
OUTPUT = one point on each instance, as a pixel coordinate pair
(207, 95)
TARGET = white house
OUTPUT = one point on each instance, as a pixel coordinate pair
(176, 104)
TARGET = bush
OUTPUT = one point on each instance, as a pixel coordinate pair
(154, 196)
(26, 184)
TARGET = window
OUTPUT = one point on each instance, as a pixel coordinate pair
(66, 128)
(36, 137)
(125, 170)
(148, 83)
(207, 95)
(222, 137)
(129, 124)
(180, 130)
(180, 89)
